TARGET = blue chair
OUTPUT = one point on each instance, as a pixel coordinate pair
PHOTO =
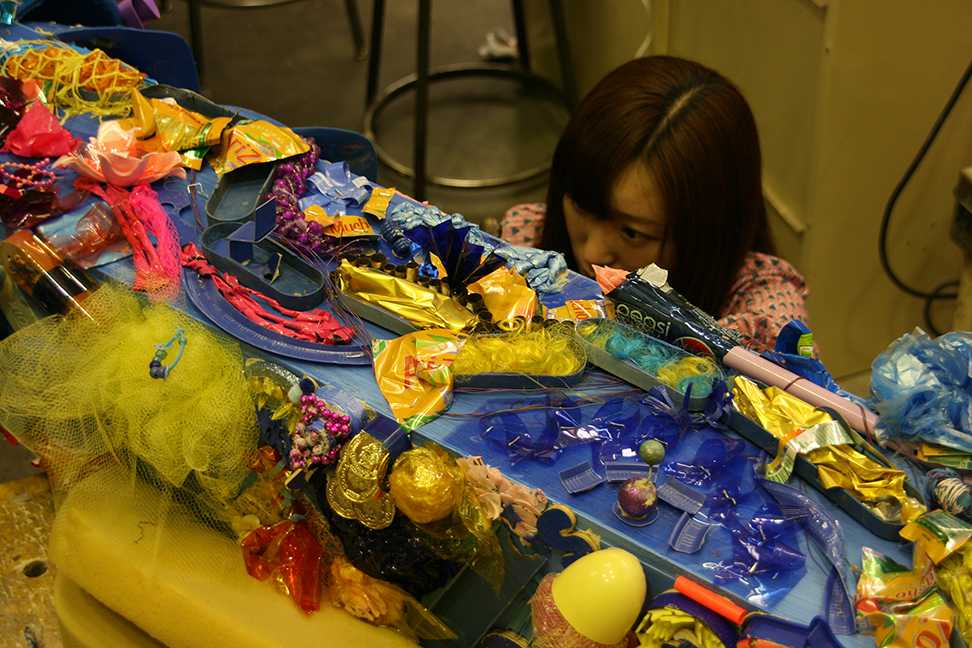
(164, 56)
(339, 145)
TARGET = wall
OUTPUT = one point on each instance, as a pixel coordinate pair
(844, 93)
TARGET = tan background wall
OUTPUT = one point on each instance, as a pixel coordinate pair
(844, 93)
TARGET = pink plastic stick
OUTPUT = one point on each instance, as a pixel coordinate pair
(756, 367)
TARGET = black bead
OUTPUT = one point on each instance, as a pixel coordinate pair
(307, 386)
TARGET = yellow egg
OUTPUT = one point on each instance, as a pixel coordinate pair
(601, 594)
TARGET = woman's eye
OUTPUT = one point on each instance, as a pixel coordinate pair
(635, 236)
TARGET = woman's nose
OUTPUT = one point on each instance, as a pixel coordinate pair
(598, 249)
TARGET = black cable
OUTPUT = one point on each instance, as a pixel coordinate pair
(937, 295)
(893, 199)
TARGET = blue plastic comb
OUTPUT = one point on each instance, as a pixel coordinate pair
(620, 470)
(684, 498)
(689, 533)
(580, 478)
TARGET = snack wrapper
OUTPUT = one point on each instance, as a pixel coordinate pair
(577, 310)
(938, 534)
(954, 576)
(348, 227)
(506, 295)
(422, 307)
(252, 142)
(414, 373)
(903, 605)
(377, 204)
(838, 466)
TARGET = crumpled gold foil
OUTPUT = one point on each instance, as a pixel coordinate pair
(425, 484)
(354, 490)
(506, 295)
(879, 487)
(422, 307)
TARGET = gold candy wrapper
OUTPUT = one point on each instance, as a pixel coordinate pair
(252, 142)
(577, 310)
(954, 576)
(506, 295)
(879, 487)
(164, 125)
(903, 605)
(944, 538)
(425, 484)
(540, 352)
(422, 307)
(938, 533)
(414, 373)
(354, 490)
(464, 532)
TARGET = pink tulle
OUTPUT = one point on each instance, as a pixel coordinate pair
(166, 271)
(140, 215)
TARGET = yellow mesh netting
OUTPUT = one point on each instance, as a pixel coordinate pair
(77, 392)
(75, 82)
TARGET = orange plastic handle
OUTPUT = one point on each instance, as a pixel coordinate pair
(715, 602)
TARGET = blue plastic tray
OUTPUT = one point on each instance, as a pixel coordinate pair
(204, 296)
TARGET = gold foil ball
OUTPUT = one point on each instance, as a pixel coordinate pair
(425, 485)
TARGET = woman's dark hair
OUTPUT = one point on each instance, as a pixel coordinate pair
(695, 133)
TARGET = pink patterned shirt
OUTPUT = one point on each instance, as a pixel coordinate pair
(768, 291)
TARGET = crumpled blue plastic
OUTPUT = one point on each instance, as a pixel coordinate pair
(764, 562)
(787, 356)
(754, 552)
(544, 271)
(539, 429)
(336, 189)
(922, 387)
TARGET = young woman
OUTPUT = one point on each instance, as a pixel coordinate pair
(661, 164)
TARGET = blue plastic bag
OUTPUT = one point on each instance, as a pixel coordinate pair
(922, 387)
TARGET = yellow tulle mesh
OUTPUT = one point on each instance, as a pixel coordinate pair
(76, 390)
(75, 82)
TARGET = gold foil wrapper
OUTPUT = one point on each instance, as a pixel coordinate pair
(880, 487)
(414, 374)
(354, 490)
(425, 484)
(506, 295)
(420, 306)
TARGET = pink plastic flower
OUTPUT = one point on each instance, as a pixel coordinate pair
(113, 156)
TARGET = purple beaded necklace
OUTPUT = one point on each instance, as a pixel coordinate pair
(289, 181)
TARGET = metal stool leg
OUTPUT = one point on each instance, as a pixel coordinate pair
(422, 97)
(374, 51)
(196, 36)
(522, 46)
(357, 34)
(563, 53)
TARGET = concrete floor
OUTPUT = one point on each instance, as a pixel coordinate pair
(296, 63)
